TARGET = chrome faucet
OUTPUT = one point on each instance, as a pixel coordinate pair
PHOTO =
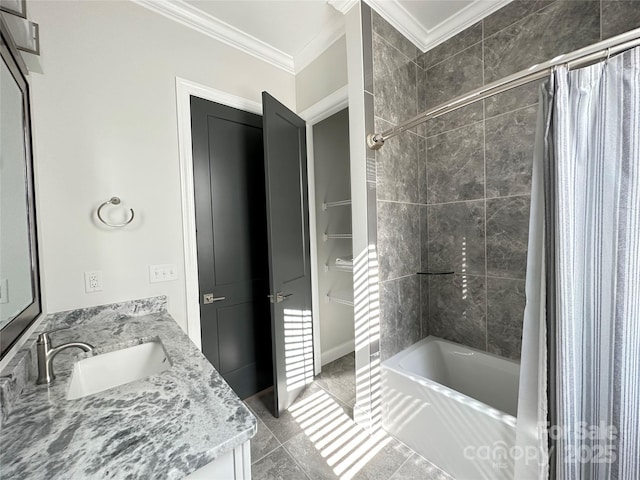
(46, 354)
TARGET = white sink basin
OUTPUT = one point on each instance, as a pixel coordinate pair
(112, 369)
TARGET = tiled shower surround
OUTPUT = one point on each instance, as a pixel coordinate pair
(453, 194)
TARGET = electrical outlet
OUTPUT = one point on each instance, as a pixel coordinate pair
(162, 273)
(93, 281)
(4, 290)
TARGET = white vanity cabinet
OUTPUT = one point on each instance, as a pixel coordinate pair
(233, 465)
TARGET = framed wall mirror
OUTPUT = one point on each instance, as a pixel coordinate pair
(20, 302)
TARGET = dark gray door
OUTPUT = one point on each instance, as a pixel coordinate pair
(233, 271)
(285, 160)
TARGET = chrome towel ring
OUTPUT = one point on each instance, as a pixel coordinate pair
(113, 201)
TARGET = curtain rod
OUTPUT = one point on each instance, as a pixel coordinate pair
(575, 59)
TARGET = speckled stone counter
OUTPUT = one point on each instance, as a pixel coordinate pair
(165, 426)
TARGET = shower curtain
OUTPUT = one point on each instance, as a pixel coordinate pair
(581, 345)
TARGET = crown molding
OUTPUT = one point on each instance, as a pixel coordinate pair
(192, 17)
(343, 6)
(462, 20)
(398, 16)
(403, 21)
(391, 10)
(319, 45)
(338, 100)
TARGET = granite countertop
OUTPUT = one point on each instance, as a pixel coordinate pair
(165, 426)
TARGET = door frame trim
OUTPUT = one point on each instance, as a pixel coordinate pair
(184, 90)
(317, 112)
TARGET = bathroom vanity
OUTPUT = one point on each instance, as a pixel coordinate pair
(181, 421)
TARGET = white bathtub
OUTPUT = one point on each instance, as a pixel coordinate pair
(454, 405)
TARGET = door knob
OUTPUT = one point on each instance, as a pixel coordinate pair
(280, 297)
(208, 298)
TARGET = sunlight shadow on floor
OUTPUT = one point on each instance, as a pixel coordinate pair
(344, 445)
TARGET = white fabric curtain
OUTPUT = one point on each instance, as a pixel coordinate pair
(595, 164)
(530, 454)
(581, 337)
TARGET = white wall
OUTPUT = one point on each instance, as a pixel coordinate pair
(323, 76)
(104, 118)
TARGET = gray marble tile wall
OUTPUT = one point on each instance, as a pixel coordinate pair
(400, 188)
(453, 194)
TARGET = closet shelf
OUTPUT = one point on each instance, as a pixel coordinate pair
(340, 203)
(331, 236)
(338, 268)
(343, 298)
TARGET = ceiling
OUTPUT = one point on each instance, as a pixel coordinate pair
(291, 33)
(287, 25)
(430, 14)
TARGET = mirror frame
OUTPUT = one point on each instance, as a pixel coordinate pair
(13, 330)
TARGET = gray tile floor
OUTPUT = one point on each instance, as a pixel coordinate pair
(316, 439)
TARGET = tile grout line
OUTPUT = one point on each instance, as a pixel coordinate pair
(455, 129)
(303, 433)
(268, 430)
(260, 420)
(420, 198)
(284, 444)
(340, 403)
(543, 7)
(295, 460)
(421, 313)
(601, 8)
(389, 280)
(523, 107)
(416, 454)
(469, 274)
(266, 454)
(498, 277)
(478, 121)
(426, 222)
(427, 204)
(373, 32)
(517, 195)
(395, 124)
(533, 12)
(514, 110)
(373, 68)
(484, 153)
(401, 465)
(420, 83)
(453, 54)
(332, 395)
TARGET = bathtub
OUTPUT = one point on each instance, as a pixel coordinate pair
(454, 405)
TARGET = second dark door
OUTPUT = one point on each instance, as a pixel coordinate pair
(285, 159)
(233, 270)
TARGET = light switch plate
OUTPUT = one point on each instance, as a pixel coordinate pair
(162, 273)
